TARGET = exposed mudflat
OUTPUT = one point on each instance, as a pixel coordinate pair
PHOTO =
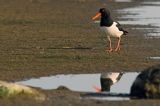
(49, 37)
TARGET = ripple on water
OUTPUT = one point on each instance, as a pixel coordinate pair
(143, 15)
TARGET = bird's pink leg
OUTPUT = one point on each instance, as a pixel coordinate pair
(110, 45)
(118, 44)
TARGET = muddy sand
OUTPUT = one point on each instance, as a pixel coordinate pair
(50, 37)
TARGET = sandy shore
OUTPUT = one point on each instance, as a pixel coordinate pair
(49, 37)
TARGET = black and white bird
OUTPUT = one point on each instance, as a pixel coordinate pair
(110, 27)
(107, 80)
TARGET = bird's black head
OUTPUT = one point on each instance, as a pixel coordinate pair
(104, 12)
(106, 19)
(106, 84)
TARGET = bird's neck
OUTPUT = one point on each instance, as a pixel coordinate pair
(106, 21)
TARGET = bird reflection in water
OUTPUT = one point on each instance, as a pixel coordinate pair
(107, 80)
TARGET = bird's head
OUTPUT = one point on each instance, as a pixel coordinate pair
(102, 12)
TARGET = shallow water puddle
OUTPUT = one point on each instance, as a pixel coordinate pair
(145, 14)
(153, 3)
(123, 0)
(154, 58)
(81, 82)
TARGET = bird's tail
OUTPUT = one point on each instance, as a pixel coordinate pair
(125, 32)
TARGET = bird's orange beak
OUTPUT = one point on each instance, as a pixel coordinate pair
(98, 89)
(96, 16)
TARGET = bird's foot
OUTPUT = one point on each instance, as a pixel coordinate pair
(117, 49)
(109, 50)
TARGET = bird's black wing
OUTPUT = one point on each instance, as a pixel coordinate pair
(121, 29)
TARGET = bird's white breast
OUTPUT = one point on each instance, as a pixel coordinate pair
(112, 76)
(112, 31)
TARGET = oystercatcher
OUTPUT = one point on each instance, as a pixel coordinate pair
(107, 80)
(110, 27)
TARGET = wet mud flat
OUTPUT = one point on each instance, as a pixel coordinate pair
(37, 39)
